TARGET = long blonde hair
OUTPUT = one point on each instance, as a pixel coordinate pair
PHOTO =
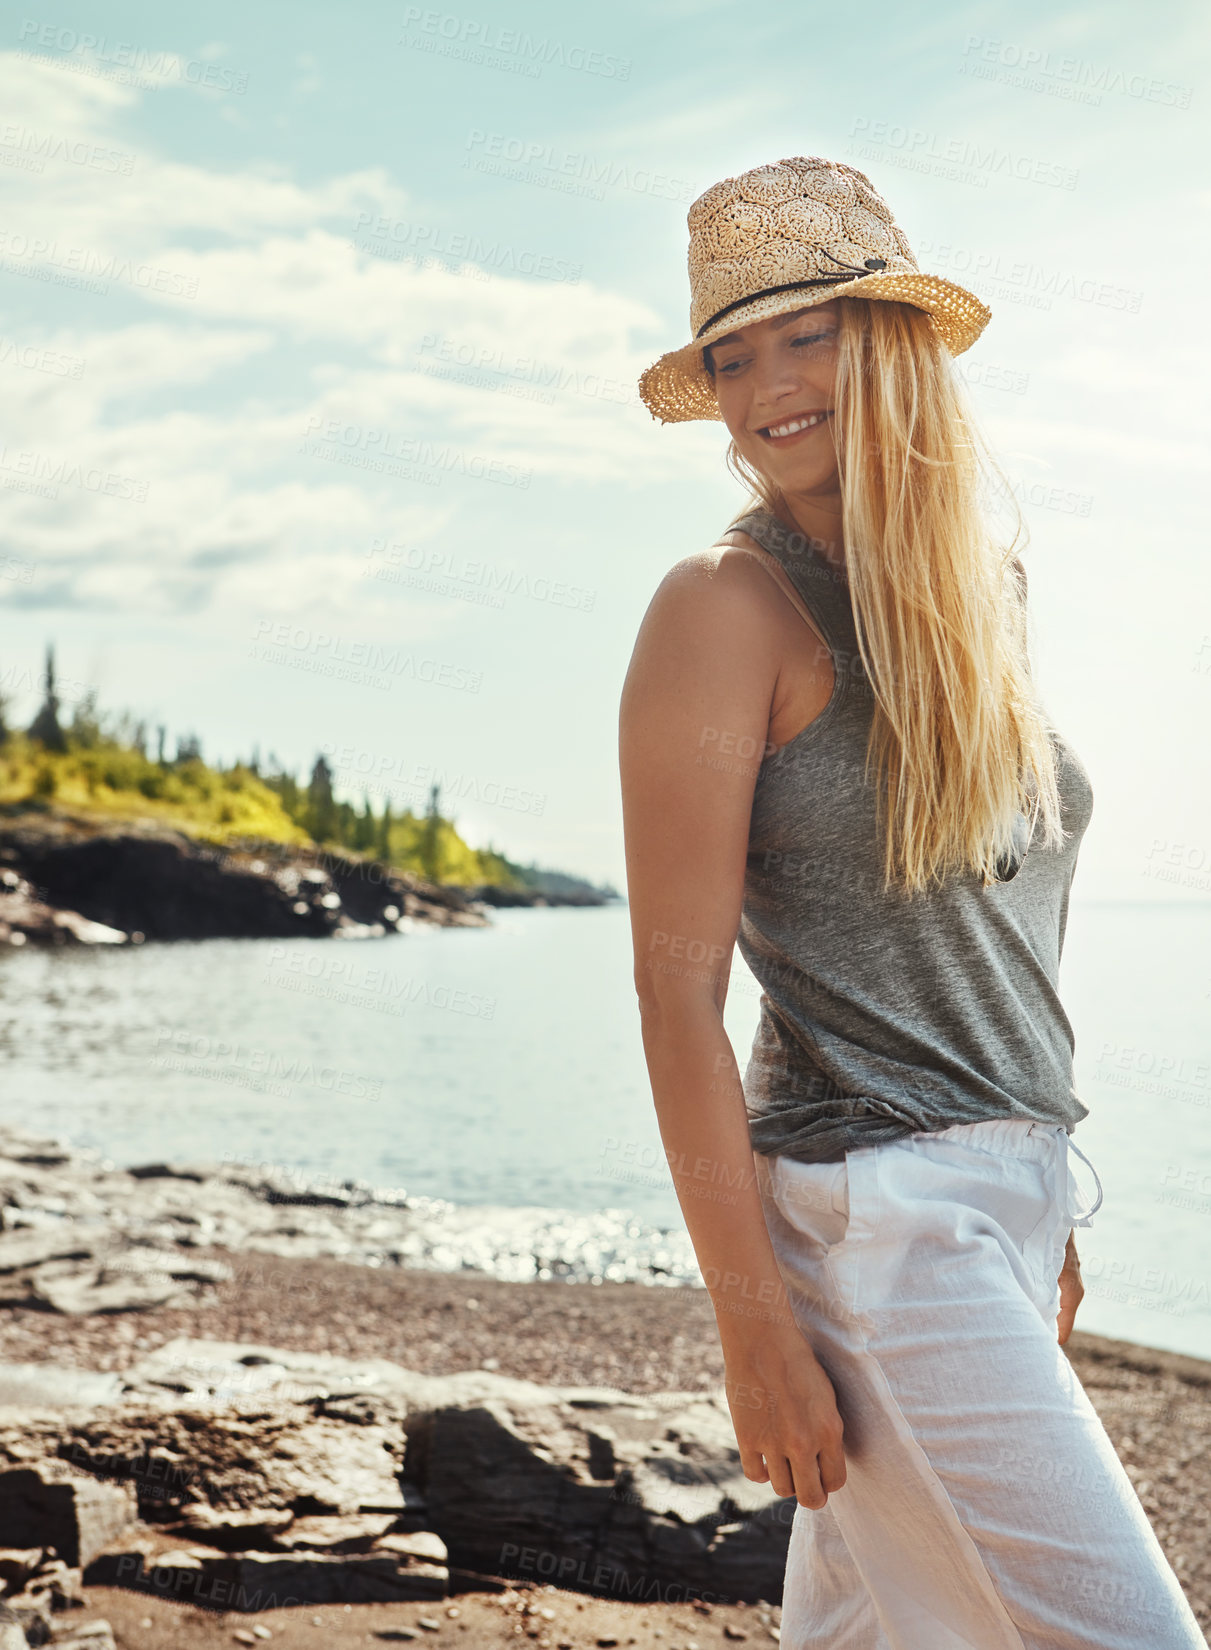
(961, 744)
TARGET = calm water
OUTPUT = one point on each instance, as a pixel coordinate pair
(503, 1066)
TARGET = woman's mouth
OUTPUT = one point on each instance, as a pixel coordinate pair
(794, 429)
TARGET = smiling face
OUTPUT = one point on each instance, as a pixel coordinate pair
(774, 380)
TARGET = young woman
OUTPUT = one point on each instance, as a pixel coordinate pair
(831, 754)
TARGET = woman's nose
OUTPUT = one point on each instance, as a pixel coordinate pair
(778, 378)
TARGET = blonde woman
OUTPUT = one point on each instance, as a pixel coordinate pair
(832, 754)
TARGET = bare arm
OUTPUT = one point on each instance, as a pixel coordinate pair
(703, 669)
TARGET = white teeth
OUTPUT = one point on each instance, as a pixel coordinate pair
(796, 424)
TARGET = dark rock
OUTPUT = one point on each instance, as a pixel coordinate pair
(489, 893)
(165, 1171)
(25, 919)
(17, 1565)
(271, 1581)
(503, 1478)
(150, 882)
(76, 1516)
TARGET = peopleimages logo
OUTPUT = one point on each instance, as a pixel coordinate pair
(129, 59)
(981, 160)
(1035, 67)
(468, 38)
(377, 448)
(399, 234)
(550, 167)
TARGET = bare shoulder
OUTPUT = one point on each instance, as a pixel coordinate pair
(721, 584)
(707, 632)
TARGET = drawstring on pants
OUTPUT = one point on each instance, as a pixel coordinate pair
(1067, 1145)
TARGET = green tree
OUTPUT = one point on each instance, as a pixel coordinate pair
(365, 830)
(321, 809)
(383, 845)
(429, 847)
(85, 726)
(45, 726)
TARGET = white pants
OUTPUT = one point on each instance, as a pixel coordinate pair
(984, 1506)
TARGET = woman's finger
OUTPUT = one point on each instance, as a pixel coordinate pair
(781, 1478)
(808, 1490)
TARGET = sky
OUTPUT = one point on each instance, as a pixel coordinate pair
(320, 330)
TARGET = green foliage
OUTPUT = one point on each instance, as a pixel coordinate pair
(105, 771)
(103, 778)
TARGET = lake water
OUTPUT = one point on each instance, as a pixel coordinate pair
(503, 1067)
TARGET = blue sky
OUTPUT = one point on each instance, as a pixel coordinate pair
(320, 333)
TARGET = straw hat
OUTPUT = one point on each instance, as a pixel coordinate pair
(788, 237)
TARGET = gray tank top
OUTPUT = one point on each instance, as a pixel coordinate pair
(882, 1017)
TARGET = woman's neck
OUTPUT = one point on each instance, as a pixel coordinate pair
(820, 527)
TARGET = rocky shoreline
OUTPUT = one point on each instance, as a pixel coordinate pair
(81, 1235)
(243, 1477)
(67, 880)
(199, 1441)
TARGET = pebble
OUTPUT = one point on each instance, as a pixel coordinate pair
(243, 1636)
(730, 1632)
(429, 1623)
(260, 1631)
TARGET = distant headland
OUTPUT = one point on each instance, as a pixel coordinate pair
(103, 842)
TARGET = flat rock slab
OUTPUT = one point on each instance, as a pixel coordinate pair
(235, 1372)
(270, 1581)
(41, 1386)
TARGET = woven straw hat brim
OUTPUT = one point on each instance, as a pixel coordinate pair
(677, 387)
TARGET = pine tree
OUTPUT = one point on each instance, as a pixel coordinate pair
(429, 845)
(45, 726)
(321, 809)
(384, 833)
(85, 724)
(364, 829)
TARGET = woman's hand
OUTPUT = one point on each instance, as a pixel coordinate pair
(1072, 1290)
(784, 1411)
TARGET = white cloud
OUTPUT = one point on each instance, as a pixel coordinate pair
(233, 510)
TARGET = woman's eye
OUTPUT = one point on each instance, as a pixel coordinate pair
(813, 338)
(727, 366)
